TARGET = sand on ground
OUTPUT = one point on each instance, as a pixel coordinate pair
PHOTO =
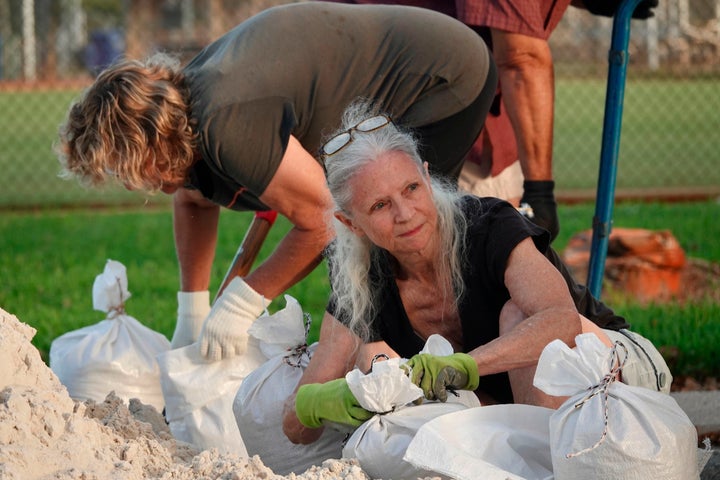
(45, 434)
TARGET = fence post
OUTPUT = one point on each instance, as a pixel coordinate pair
(612, 122)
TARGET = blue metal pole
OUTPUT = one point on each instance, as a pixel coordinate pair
(614, 97)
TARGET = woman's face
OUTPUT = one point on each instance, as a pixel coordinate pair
(392, 205)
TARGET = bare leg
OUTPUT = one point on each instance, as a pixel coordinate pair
(590, 327)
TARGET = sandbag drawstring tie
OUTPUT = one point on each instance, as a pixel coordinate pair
(295, 354)
(118, 310)
(603, 387)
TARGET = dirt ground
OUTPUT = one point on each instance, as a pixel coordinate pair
(700, 280)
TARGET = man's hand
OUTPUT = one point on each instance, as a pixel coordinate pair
(607, 8)
(193, 309)
(333, 401)
(542, 211)
(224, 333)
(437, 374)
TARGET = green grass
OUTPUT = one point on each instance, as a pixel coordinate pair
(49, 261)
(669, 138)
(688, 335)
(29, 123)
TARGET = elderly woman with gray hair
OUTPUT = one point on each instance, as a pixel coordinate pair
(414, 257)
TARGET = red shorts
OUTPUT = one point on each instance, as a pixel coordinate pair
(532, 18)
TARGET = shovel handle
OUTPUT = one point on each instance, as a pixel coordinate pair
(249, 248)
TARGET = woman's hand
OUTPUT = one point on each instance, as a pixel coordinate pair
(333, 401)
(334, 356)
(437, 374)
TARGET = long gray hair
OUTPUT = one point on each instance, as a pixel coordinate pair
(353, 257)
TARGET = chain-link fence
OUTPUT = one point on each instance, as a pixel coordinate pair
(670, 142)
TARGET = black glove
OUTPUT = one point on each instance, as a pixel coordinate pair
(607, 8)
(538, 195)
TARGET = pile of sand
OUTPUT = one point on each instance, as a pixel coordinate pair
(45, 434)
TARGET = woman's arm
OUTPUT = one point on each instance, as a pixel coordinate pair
(540, 310)
(334, 356)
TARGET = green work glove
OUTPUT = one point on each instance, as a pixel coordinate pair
(317, 403)
(437, 374)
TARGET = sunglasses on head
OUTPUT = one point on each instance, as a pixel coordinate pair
(341, 140)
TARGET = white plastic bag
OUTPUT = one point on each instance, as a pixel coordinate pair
(380, 443)
(281, 332)
(199, 394)
(608, 429)
(260, 400)
(116, 354)
(496, 442)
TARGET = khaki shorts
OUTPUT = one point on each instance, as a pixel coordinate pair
(644, 367)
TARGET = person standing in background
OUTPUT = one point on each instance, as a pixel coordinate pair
(512, 158)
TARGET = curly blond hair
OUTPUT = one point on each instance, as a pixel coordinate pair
(132, 124)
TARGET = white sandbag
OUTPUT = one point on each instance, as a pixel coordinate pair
(116, 354)
(380, 443)
(199, 394)
(260, 400)
(282, 331)
(258, 408)
(494, 442)
(608, 429)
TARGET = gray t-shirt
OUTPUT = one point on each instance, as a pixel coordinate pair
(293, 69)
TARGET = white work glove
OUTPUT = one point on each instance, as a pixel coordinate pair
(193, 309)
(224, 333)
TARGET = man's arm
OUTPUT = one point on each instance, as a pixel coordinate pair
(195, 228)
(299, 192)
